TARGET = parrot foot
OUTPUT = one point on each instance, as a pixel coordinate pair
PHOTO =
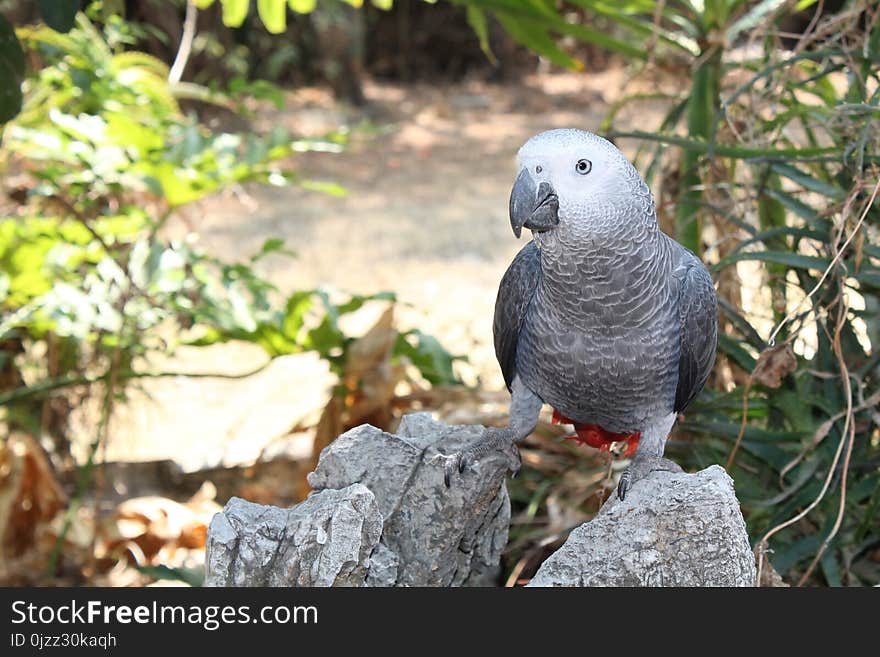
(640, 467)
(494, 439)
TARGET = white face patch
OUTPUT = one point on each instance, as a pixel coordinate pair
(554, 157)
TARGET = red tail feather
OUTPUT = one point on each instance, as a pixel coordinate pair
(597, 437)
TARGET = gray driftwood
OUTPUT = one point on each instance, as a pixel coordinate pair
(673, 529)
(380, 516)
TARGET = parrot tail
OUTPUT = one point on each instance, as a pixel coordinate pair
(595, 436)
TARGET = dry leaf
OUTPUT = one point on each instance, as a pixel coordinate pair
(774, 365)
(769, 576)
(30, 495)
(367, 392)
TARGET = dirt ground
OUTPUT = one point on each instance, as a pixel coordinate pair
(428, 172)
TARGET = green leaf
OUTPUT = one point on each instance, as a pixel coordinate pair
(60, 15)
(385, 5)
(531, 23)
(793, 205)
(784, 557)
(195, 577)
(358, 301)
(11, 71)
(869, 278)
(586, 34)
(140, 139)
(755, 434)
(735, 351)
(174, 184)
(273, 13)
(741, 324)
(767, 452)
(272, 245)
(794, 260)
(428, 355)
(751, 18)
(770, 235)
(476, 18)
(534, 35)
(830, 567)
(638, 18)
(724, 150)
(331, 188)
(235, 11)
(302, 6)
(804, 475)
(295, 311)
(807, 181)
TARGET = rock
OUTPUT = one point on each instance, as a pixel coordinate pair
(440, 536)
(380, 515)
(673, 529)
(325, 541)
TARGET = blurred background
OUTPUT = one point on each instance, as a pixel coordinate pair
(231, 230)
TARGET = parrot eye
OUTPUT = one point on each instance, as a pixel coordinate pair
(583, 167)
(539, 169)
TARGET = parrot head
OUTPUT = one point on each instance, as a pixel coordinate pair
(564, 177)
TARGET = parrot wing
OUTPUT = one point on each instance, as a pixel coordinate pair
(514, 296)
(698, 314)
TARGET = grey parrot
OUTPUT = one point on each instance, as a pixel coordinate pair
(602, 316)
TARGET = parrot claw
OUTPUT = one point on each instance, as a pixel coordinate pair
(493, 440)
(640, 467)
(451, 463)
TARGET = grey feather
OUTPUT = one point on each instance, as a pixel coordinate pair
(698, 312)
(514, 296)
(601, 338)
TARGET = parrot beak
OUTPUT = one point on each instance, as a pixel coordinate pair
(532, 206)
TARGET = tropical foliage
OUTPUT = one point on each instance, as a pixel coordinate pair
(767, 163)
(100, 156)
